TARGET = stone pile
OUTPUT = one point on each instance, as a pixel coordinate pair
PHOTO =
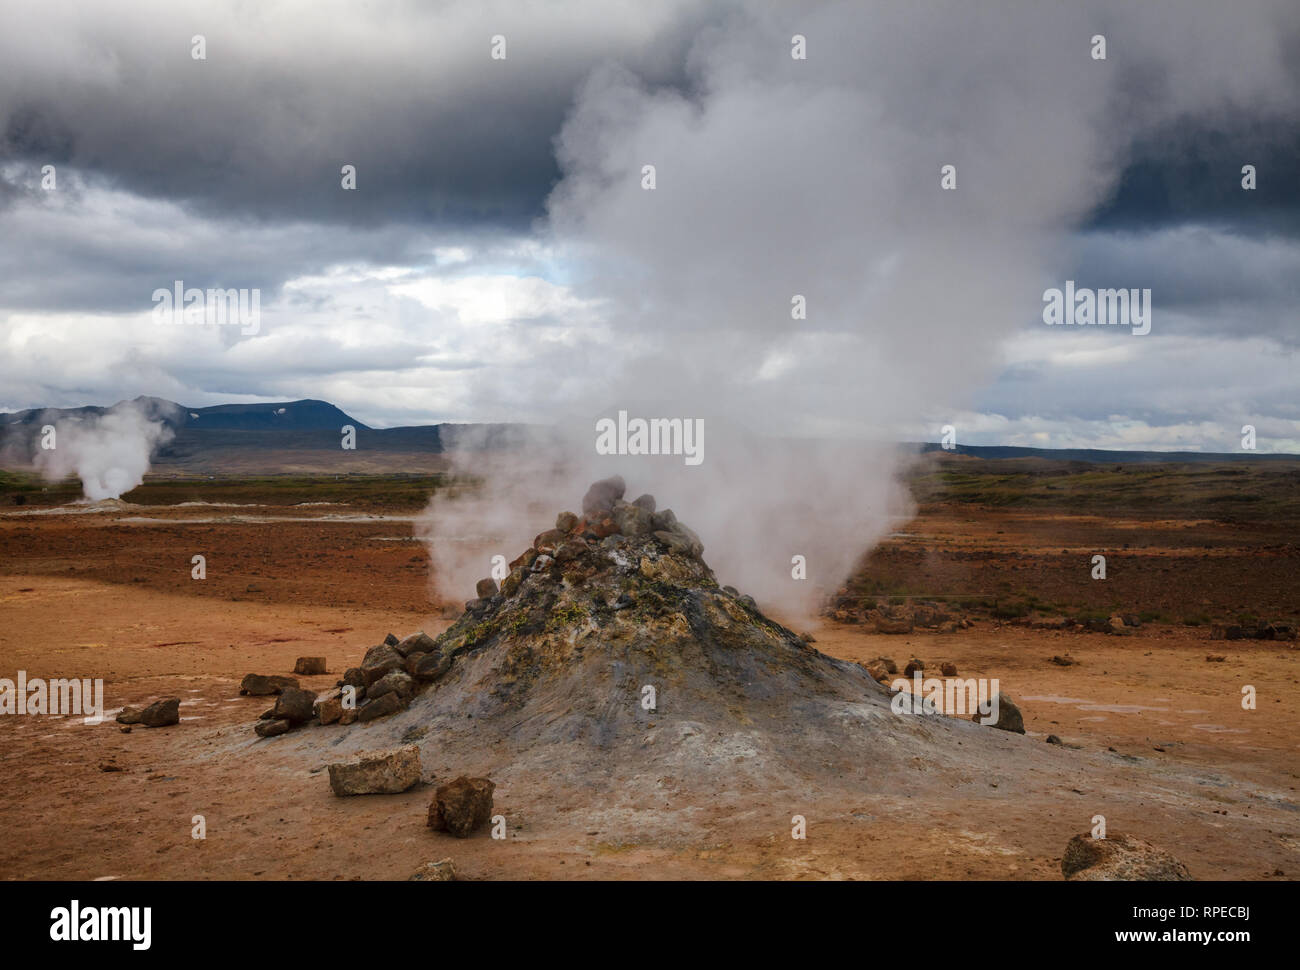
(609, 531)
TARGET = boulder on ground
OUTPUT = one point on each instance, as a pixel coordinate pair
(390, 640)
(309, 666)
(486, 588)
(1118, 627)
(914, 666)
(295, 705)
(461, 806)
(380, 772)
(1063, 660)
(948, 669)
(1119, 858)
(566, 522)
(1008, 715)
(443, 870)
(260, 686)
(158, 714)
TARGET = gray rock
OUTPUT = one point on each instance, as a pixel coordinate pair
(390, 703)
(416, 643)
(566, 521)
(1009, 718)
(430, 666)
(602, 495)
(486, 588)
(259, 686)
(381, 772)
(646, 502)
(632, 520)
(271, 729)
(379, 661)
(158, 714)
(296, 706)
(398, 681)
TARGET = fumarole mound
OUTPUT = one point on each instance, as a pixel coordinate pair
(610, 660)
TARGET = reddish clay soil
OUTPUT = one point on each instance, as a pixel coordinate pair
(100, 595)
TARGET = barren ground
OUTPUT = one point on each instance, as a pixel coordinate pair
(109, 595)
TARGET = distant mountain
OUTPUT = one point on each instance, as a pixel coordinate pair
(290, 436)
(305, 437)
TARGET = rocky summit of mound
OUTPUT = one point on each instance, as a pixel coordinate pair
(610, 659)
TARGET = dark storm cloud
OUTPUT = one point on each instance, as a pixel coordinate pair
(289, 93)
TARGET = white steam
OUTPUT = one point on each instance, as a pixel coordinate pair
(110, 453)
(821, 178)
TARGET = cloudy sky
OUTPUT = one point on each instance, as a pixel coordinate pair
(501, 259)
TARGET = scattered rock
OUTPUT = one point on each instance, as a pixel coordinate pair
(1064, 660)
(1053, 739)
(646, 502)
(1215, 658)
(270, 729)
(329, 710)
(295, 705)
(1118, 627)
(913, 666)
(309, 666)
(486, 588)
(158, 714)
(948, 669)
(381, 772)
(260, 686)
(442, 871)
(1119, 858)
(1009, 717)
(461, 806)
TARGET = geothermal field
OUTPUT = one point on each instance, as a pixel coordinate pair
(640, 717)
